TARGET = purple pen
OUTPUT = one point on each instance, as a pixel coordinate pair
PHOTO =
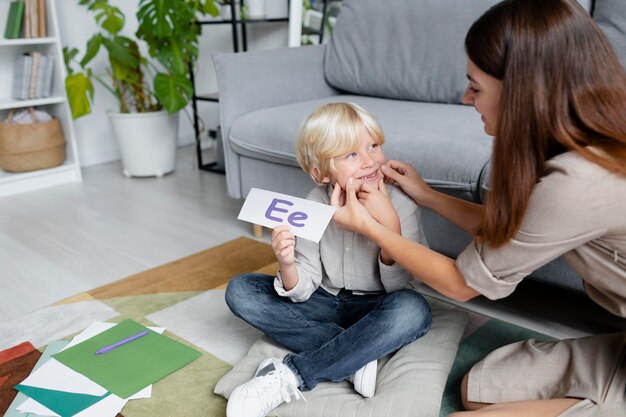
(121, 342)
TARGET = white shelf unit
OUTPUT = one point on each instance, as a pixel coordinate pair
(56, 104)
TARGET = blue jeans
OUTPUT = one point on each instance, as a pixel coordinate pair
(331, 336)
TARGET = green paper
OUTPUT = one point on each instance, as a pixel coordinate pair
(131, 367)
(65, 404)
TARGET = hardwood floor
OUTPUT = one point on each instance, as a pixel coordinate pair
(68, 239)
(57, 242)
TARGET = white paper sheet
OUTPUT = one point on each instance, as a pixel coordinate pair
(33, 407)
(109, 406)
(305, 218)
(54, 375)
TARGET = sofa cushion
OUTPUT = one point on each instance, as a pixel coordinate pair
(410, 382)
(446, 143)
(402, 49)
(610, 15)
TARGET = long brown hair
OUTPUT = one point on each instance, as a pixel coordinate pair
(563, 89)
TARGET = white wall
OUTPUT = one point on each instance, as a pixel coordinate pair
(95, 141)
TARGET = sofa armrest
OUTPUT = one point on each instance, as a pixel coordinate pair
(256, 80)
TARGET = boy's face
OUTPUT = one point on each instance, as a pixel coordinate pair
(362, 164)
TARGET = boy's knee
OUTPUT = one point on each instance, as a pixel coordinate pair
(238, 290)
(416, 307)
(233, 288)
(244, 293)
(414, 316)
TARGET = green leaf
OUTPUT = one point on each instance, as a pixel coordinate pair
(123, 50)
(175, 56)
(93, 46)
(210, 8)
(164, 18)
(68, 57)
(80, 93)
(109, 17)
(172, 91)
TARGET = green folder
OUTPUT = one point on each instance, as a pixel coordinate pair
(132, 366)
(14, 20)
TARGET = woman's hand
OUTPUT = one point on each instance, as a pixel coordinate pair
(408, 179)
(284, 243)
(350, 214)
(377, 202)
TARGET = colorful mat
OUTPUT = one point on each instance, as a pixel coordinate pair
(187, 298)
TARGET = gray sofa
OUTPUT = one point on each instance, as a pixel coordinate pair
(403, 60)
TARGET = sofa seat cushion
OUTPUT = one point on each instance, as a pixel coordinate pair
(445, 142)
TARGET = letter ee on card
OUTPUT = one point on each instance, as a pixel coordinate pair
(305, 218)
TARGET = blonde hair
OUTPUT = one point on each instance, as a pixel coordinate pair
(331, 130)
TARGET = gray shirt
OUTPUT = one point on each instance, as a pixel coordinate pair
(344, 259)
(578, 210)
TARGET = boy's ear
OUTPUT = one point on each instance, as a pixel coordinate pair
(315, 173)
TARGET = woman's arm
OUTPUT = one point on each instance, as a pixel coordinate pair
(466, 215)
(435, 270)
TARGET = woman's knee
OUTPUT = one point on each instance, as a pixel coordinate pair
(467, 404)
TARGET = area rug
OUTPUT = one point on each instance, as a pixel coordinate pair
(187, 298)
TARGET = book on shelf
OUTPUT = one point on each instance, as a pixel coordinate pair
(32, 76)
(44, 78)
(34, 21)
(14, 20)
(21, 76)
(41, 22)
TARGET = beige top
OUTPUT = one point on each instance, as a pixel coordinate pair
(578, 210)
(344, 259)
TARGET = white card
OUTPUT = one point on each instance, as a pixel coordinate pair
(305, 218)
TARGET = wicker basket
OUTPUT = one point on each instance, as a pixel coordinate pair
(29, 147)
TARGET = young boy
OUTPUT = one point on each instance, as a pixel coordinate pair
(342, 303)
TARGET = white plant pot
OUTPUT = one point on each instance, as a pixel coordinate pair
(147, 142)
(226, 12)
(256, 9)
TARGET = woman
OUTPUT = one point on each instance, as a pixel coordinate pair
(551, 90)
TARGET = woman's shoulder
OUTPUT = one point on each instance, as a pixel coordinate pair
(573, 168)
(572, 180)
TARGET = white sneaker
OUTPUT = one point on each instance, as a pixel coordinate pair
(273, 384)
(364, 379)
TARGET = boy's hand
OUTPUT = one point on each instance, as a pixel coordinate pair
(350, 214)
(377, 202)
(284, 243)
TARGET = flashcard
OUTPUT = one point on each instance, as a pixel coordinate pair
(305, 218)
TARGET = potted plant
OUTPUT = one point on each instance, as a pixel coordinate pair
(151, 87)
